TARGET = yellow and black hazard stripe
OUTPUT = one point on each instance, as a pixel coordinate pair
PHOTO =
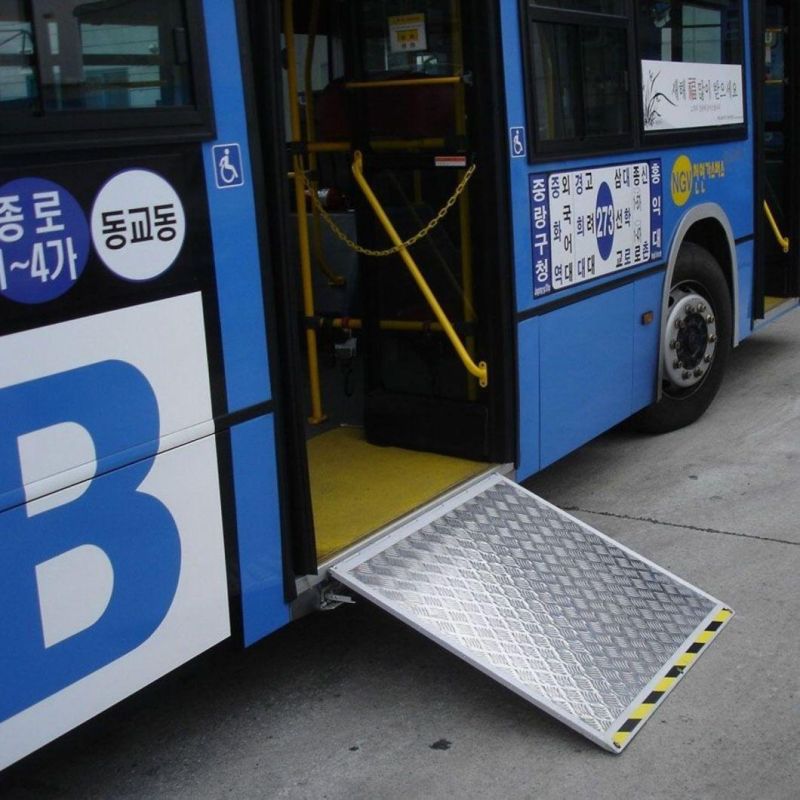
(673, 675)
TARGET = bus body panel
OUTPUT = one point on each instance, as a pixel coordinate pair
(100, 292)
(529, 383)
(117, 512)
(586, 369)
(596, 334)
(237, 261)
(233, 214)
(112, 582)
(646, 338)
(519, 168)
(745, 259)
(258, 528)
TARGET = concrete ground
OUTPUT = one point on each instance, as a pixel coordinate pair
(352, 704)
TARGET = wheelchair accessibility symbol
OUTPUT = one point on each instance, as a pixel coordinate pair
(517, 142)
(228, 166)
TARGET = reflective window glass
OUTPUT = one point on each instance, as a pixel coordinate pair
(67, 55)
(104, 55)
(580, 74)
(616, 7)
(18, 87)
(692, 32)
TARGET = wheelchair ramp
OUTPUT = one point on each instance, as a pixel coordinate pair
(574, 622)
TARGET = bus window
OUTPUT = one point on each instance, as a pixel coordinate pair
(579, 59)
(112, 55)
(707, 33)
(431, 55)
(595, 6)
(17, 79)
(93, 66)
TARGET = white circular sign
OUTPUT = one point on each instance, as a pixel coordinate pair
(138, 225)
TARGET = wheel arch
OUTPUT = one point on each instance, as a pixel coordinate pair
(706, 225)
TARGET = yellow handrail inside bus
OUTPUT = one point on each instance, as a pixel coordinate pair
(378, 84)
(311, 134)
(396, 325)
(783, 241)
(317, 414)
(460, 108)
(377, 144)
(480, 371)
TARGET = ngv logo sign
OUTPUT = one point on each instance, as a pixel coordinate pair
(111, 557)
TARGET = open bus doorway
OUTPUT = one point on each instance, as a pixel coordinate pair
(407, 378)
(778, 281)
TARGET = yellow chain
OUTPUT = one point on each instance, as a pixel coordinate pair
(390, 251)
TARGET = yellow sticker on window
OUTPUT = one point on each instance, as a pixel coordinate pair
(407, 33)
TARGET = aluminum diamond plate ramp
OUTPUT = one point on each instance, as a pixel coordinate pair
(577, 624)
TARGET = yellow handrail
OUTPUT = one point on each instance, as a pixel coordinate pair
(467, 272)
(317, 414)
(378, 84)
(783, 241)
(396, 325)
(480, 371)
(377, 144)
(311, 134)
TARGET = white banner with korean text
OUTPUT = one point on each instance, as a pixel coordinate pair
(677, 95)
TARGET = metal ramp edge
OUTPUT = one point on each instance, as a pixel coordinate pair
(579, 625)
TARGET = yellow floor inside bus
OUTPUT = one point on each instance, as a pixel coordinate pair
(771, 303)
(357, 488)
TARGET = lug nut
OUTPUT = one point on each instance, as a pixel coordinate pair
(712, 338)
(690, 309)
(702, 307)
(710, 319)
(698, 372)
(676, 365)
(687, 375)
(707, 359)
(673, 344)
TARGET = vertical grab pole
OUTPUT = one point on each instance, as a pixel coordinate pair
(317, 415)
(468, 287)
(311, 136)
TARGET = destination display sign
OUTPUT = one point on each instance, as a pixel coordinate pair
(593, 222)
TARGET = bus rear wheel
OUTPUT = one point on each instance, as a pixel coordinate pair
(696, 342)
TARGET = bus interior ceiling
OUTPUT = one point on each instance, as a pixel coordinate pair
(394, 418)
(780, 189)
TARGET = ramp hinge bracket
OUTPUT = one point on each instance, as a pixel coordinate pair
(331, 596)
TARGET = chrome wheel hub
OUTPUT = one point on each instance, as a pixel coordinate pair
(690, 339)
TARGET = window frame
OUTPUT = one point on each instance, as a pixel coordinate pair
(543, 150)
(638, 140)
(710, 134)
(32, 129)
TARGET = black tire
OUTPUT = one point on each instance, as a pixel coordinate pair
(697, 272)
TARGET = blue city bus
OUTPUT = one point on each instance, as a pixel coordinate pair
(276, 276)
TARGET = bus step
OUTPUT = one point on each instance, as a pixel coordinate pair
(574, 622)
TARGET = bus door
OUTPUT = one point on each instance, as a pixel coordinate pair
(779, 164)
(398, 257)
(399, 104)
(409, 104)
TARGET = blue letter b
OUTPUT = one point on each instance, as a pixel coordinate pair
(135, 533)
